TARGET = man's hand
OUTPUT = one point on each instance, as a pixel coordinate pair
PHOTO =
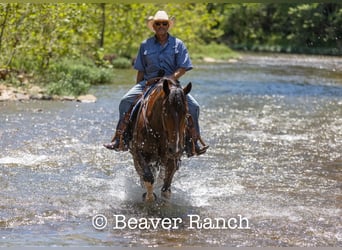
(178, 73)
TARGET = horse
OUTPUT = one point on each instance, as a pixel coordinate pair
(158, 135)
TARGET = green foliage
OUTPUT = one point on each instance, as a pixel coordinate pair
(305, 28)
(44, 32)
(67, 85)
(70, 77)
(35, 36)
(213, 50)
(32, 35)
(122, 63)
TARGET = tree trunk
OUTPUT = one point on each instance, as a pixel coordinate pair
(103, 24)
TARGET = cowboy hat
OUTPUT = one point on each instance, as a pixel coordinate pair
(160, 16)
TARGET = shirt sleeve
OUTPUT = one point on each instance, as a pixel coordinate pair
(139, 63)
(183, 57)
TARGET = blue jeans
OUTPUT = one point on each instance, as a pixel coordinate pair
(130, 97)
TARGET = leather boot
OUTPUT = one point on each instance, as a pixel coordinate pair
(119, 141)
(192, 138)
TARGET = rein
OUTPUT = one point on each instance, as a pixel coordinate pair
(147, 125)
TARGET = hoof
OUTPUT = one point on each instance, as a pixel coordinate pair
(149, 199)
(166, 194)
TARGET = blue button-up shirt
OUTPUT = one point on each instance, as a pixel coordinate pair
(152, 57)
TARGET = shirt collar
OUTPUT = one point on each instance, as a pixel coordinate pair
(156, 40)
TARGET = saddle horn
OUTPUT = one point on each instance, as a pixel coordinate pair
(166, 87)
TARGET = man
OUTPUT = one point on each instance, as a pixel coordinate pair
(160, 55)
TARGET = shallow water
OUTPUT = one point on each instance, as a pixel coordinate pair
(273, 123)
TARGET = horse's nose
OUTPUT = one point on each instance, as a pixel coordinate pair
(173, 149)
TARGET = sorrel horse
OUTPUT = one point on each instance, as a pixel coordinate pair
(158, 135)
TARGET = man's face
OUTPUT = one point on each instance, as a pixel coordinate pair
(161, 27)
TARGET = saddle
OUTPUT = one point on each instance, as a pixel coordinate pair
(149, 86)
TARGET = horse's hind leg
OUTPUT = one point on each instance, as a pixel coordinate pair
(171, 168)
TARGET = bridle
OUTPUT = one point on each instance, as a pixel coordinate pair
(177, 129)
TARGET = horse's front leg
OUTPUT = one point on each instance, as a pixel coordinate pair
(149, 196)
(148, 182)
(147, 177)
(170, 169)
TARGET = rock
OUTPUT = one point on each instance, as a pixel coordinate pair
(232, 60)
(46, 97)
(36, 96)
(2, 87)
(7, 95)
(67, 98)
(209, 59)
(86, 98)
(22, 97)
(34, 90)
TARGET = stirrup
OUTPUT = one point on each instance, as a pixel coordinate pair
(117, 146)
(118, 143)
(200, 150)
(192, 147)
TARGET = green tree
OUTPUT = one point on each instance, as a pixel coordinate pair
(33, 35)
(316, 25)
(312, 27)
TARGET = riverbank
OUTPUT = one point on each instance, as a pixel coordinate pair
(333, 63)
(34, 92)
(27, 90)
(70, 80)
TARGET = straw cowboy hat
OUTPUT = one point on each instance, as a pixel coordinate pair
(160, 16)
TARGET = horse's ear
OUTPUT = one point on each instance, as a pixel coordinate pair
(187, 88)
(166, 87)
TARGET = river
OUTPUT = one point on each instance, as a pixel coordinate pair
(273, 170)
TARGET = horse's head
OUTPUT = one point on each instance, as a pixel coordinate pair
(175, 109)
